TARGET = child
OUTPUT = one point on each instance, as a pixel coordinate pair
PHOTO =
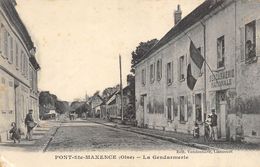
(15, 133)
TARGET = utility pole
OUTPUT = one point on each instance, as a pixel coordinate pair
(121, 88)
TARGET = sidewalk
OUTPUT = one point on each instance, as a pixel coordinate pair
(181, 138)
(40, 137)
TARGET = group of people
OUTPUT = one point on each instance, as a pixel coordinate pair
(29, 123)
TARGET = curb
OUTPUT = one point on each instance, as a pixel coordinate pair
(170, 139)
(51, 136)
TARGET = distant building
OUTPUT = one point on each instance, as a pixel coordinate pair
(226, 33)
(18, 70)
(95, 102)
(113, 104)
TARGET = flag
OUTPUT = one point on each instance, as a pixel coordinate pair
(195, 64)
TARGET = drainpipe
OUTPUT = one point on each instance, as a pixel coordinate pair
(16, 84)
(205, 74)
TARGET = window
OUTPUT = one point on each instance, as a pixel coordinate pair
(169, 109)
(220, 52)
(182, 109)
(143, 77)
(26, 67)
(159, 69)
(21, 61)
(152, 73)
(182, 70)
(198, 107)
(11, 59)
(31, 77)
(169, 73)
(1, 39)
(16, 55)
(250, 42)
(5, 43)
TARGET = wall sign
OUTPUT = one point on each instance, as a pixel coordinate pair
(223, 78)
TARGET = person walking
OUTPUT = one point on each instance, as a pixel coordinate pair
(214, 123)
(30, 124)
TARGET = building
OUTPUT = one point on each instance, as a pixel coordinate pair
(18, 70)
(95, 102)
(226, 33)
(113, 104)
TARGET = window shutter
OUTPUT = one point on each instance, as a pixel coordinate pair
(178, 115)
(166, 74)
(173, 114)
(185, 66)
(242, 43)
(186, 108)
(1, 40)
(258, 38)
(154, 71)
(179, 69)
(172, 72)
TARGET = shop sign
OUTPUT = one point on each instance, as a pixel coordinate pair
(223, 78)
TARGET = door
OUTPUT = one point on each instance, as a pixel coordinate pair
(223, 119)
(142, 110)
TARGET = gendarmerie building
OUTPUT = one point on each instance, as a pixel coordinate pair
(227, 35)
(18, 70)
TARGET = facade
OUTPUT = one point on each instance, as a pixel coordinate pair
(18, 70)
(113, 105)
(95, 102)
(226, 33)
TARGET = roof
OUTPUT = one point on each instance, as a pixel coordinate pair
(125, 90)
(111, 98)
(196, 15)
(112, 102)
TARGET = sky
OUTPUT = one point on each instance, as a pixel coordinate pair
(79, 41)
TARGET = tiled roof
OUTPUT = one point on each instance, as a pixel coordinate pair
(196, 15)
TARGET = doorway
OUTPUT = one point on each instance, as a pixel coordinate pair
(222, 114)
(143, 110)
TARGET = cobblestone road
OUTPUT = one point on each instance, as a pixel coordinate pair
(82, 135)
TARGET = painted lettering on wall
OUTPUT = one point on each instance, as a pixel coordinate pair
(223, 78)
(156, 107)
(246, 106)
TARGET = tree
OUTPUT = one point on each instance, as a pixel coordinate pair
(62, 107)
(129, 110)
(140, 51)
(107, 92)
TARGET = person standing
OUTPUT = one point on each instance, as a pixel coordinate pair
(214, 123)
(30, 124)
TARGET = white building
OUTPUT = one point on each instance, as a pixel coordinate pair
(18, 70)
(220, 29)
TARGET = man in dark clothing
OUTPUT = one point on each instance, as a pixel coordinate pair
(29, 122)
(214, 123)
(15, 133)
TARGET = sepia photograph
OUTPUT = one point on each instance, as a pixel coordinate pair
(129, 83)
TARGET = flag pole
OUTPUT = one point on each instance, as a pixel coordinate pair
(205, 55)
(121, 88)
(205, 76)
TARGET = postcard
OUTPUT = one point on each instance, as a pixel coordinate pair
(129, 83)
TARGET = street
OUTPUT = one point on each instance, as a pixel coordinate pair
(89, 136)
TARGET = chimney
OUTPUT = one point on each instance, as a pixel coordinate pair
(14, 2)
(177, 14)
